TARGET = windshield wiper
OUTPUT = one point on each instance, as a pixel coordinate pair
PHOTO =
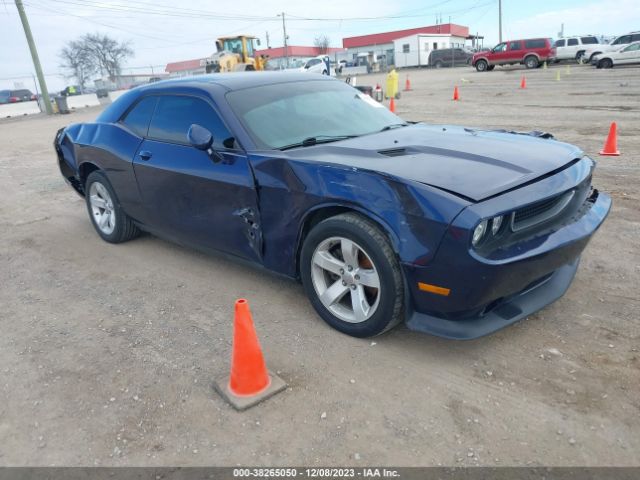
(318, 139)
(393, 125)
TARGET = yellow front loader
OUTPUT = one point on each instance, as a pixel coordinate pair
(234, 54)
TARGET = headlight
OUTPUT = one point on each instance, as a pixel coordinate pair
(496, 223)
(479, 232)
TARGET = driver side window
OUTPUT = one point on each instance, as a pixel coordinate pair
(175, 114)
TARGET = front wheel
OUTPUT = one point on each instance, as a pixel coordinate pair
(352, 276)
(482, 65)
(605, 63)
(107, 216)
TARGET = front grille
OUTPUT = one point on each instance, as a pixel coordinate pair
(540, 212)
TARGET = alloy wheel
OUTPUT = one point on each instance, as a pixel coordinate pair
(345, 279)
(102, 208)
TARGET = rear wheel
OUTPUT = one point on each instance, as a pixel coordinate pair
(580, 57)
(482, 66)
(531, 62)
(107, 216)
(352, 276)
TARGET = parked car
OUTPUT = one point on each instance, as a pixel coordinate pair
(573, 48)
(457, 231)
(318, 65)
(627, 55)
(531, 52)
(449, 57)
(15, 96)
(615, 45)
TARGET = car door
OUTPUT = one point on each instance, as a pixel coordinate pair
(499, 54)
(628, 55)
(515, 51)
(572, 47)
(199, 198)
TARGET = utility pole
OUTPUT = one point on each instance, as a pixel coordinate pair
(284, 31)
(34, 56)
(499, 21)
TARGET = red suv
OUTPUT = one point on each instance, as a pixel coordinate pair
(531, 52)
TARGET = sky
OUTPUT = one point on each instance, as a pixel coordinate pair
(160, 32)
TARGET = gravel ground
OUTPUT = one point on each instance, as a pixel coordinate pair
(108, 353)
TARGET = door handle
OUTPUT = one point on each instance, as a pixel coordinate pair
(145, 155)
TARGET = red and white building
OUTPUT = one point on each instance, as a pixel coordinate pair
(186, 68)
(404, 48)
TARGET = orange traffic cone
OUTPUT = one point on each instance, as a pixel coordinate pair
(249, 381)
(392, 105)
(456, 94)
(523, 82)
(611, 145)
(407, 84)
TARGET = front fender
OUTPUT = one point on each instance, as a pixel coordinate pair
(415, 216)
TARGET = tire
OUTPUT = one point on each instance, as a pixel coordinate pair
(438, 64)
(531, 62)
(118, 226)
(605, 63)
(482, 66)
(369, 248)
(579, 56)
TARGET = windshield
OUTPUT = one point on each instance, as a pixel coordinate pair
(285, 114)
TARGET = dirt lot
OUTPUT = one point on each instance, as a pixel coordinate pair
(107, 353)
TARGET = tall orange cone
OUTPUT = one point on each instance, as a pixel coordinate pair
(456, 94)
(249, 381)
(407, 85)
(392, 105)
(523, 82)
(611, 144)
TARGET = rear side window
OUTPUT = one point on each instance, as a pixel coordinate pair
(560, 43)
(589, 40)
(137, 120)
(538, 43)
(635, 37)
(175, 114)
(573, 42)
(515, 46)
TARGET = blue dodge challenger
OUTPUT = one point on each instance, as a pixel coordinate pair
(456, 231)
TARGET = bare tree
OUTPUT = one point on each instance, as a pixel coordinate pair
(78, 62)
(108, 54)
(93, 53)
(322, 43)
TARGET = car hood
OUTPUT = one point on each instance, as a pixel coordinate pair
(475, 164)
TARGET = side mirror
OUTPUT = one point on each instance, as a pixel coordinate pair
(199, 137)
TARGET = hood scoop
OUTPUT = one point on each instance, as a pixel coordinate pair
(394, 152)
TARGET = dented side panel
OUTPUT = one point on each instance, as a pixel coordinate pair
(290, 192)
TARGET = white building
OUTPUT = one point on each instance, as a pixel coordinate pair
(414, 50)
